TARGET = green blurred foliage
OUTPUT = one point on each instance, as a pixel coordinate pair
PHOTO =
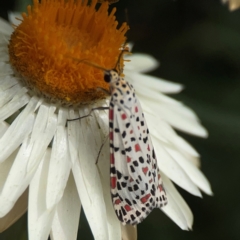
(198, 45)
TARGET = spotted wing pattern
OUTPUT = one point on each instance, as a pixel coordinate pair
(136, 184)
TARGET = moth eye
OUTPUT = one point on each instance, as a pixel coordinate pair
(107, 77)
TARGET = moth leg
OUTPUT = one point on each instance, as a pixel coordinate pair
(101, 148)
(93, 109)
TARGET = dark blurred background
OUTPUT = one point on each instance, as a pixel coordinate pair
(198, 45)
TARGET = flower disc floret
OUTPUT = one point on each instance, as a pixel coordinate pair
(50, 47)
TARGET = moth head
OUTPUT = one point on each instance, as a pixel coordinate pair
(111, 76)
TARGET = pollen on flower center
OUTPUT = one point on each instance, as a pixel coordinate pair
(50, 45)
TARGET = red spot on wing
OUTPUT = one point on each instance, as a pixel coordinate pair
(118, 201)
(113, 182)
(151, 180)
(112, 160)
(160, 187)
(148, 148)
(123, 116)
(127, 208)
(138, 128)
(159, 176)
(111, 135)
(137, 147)
(128, 159)
(131, 131)
(130, 180)
(136, 109)
(110, 114)
(145, 170)
(145, 198)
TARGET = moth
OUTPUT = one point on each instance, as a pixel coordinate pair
(136, 183)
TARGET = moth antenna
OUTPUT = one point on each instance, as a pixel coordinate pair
(109, 1)
(94, 65)
(124, 49)
(85, 61)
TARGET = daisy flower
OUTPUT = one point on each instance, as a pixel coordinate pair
(49, 162)
(233, 4)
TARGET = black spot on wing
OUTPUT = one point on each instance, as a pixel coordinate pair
(124, 134)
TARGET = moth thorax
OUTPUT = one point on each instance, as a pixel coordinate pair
(111, 76)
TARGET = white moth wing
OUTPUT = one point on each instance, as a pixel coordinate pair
(136, 185)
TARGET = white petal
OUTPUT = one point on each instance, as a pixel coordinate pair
(5, 27)
(102, 117)
(3, 128)
(166, 107)
(5, 168)
(171, 168)
(233, 4)
(30, 154)
(155, 96)
(178, 116)
(162, 130)
(19, 99)
(114, 226)
(66, 219)
(7, 82)
(191, 170)
(130, 46)
(140, 63)
(4, 40)
(84, 144)
(177, 209)
(183, 145)
(194, 160)
(17, 211)
(43, 131)
(39, 217)
(12, 16)
(17, 131)
(17, 179)
(5, 69)
(174, 213)
(155, 83)
(4, 56)
(59, 167)
(129, 232)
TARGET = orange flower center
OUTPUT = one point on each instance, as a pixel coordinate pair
(49, 47)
